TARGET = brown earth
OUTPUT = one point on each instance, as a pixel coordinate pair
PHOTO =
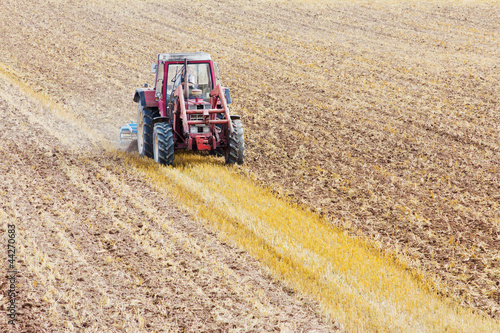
(383, 117)
(100, 250)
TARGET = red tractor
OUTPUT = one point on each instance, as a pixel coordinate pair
(187, 109)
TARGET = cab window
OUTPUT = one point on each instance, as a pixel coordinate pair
(199, 77)
(159, 80)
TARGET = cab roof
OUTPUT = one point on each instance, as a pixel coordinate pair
(197, 56)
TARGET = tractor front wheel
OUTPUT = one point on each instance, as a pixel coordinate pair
(163, 144)
(235, 152)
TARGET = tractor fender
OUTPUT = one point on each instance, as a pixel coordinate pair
(145, 97)
(160, 120)
(235, 117)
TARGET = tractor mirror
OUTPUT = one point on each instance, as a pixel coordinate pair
(153, 68)
(228, 95)
(216, 73)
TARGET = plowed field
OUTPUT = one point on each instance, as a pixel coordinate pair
(101, 251)
(382, 117)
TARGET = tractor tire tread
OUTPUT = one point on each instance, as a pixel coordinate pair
(148, 115)
(235, 152)
(165, 143)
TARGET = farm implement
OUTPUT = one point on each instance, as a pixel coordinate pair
(186, 109)
(128, 133)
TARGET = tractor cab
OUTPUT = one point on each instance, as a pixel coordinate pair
(172, 69)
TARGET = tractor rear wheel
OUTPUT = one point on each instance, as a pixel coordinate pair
(163, 144)
(145, 131)
(235, 152)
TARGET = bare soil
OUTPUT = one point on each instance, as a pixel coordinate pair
(100, 250)
(383, 117)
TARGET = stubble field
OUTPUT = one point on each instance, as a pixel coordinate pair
(382, 117)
